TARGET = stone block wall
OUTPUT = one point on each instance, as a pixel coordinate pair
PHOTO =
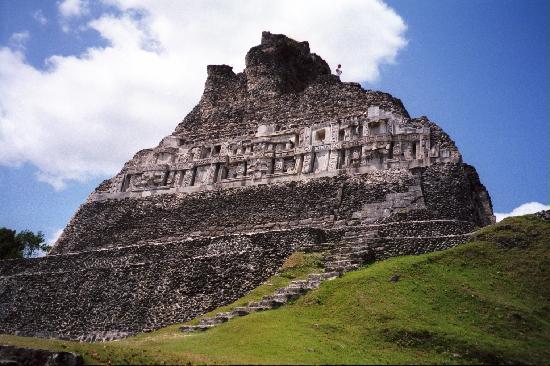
(115, 292)
(442, 191)
(429, 228)
(322, 201)
(383, 248)
(133, 265)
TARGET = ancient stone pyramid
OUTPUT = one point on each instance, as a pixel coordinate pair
(282, 157)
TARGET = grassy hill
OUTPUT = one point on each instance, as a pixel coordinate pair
(487, 301)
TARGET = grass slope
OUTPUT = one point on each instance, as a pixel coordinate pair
(487, 301)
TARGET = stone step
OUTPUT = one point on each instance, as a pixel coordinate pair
(343, 268)
(291, 293)
(188, 328)
(240, 311)
(313, 284)
(298, 283)
(194, 328)
(291, 296)
(337, 266)
(257, 307)
(226, 315)
(330, 275)
(280, 297)
(290, 290)
(202, 327)
(352, 246)
(335, 259)
(298, 289)
(316, 276)
(273, 302)
(336, 256)
(340, 262)
(212, 321)
(352, 254)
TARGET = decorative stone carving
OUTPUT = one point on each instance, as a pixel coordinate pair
(390, 128)
(195, 153)
(183, 157)
(240, 170)
(334, 130)
(347, 134)
(290, 165)
(434, 151)
(224, 149)
(279, 165)
(306, 165)
(170, 179)
(211, 174)
(187, 178)
(365, 129)
(291, 150)
(333, 160)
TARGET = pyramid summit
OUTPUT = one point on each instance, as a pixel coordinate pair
(279, 158)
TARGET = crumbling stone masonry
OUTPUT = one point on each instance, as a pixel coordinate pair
(280, 157)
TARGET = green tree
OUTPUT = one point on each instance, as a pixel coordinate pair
(22, 244)
(9, 247)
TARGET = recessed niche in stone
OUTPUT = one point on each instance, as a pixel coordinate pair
(319, 135)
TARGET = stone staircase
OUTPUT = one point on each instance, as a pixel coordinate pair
(365, 243)
(356, 248)
(280, 297)
(351, 253)
(348, 254)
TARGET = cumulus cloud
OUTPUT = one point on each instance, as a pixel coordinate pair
(19, 40)
(72, 8)
(86, 114)
(40, 17)
(524, 209)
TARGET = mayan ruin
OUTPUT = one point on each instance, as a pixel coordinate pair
(279, 158)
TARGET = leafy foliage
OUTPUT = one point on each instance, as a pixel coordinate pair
(22, 244)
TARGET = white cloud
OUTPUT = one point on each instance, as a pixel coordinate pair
(19, 40)
(55, 236)
(72, 8)
(40, 17)
(88, 113)
(524, 209)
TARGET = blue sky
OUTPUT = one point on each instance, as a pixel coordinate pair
(477, 68)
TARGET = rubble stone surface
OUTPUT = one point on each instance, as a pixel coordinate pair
(10, 355)
(280, 157)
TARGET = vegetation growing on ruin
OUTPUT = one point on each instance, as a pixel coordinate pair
(487, 301)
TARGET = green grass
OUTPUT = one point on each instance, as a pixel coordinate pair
(487, 301)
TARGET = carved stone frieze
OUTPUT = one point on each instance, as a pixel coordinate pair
(326, 148)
